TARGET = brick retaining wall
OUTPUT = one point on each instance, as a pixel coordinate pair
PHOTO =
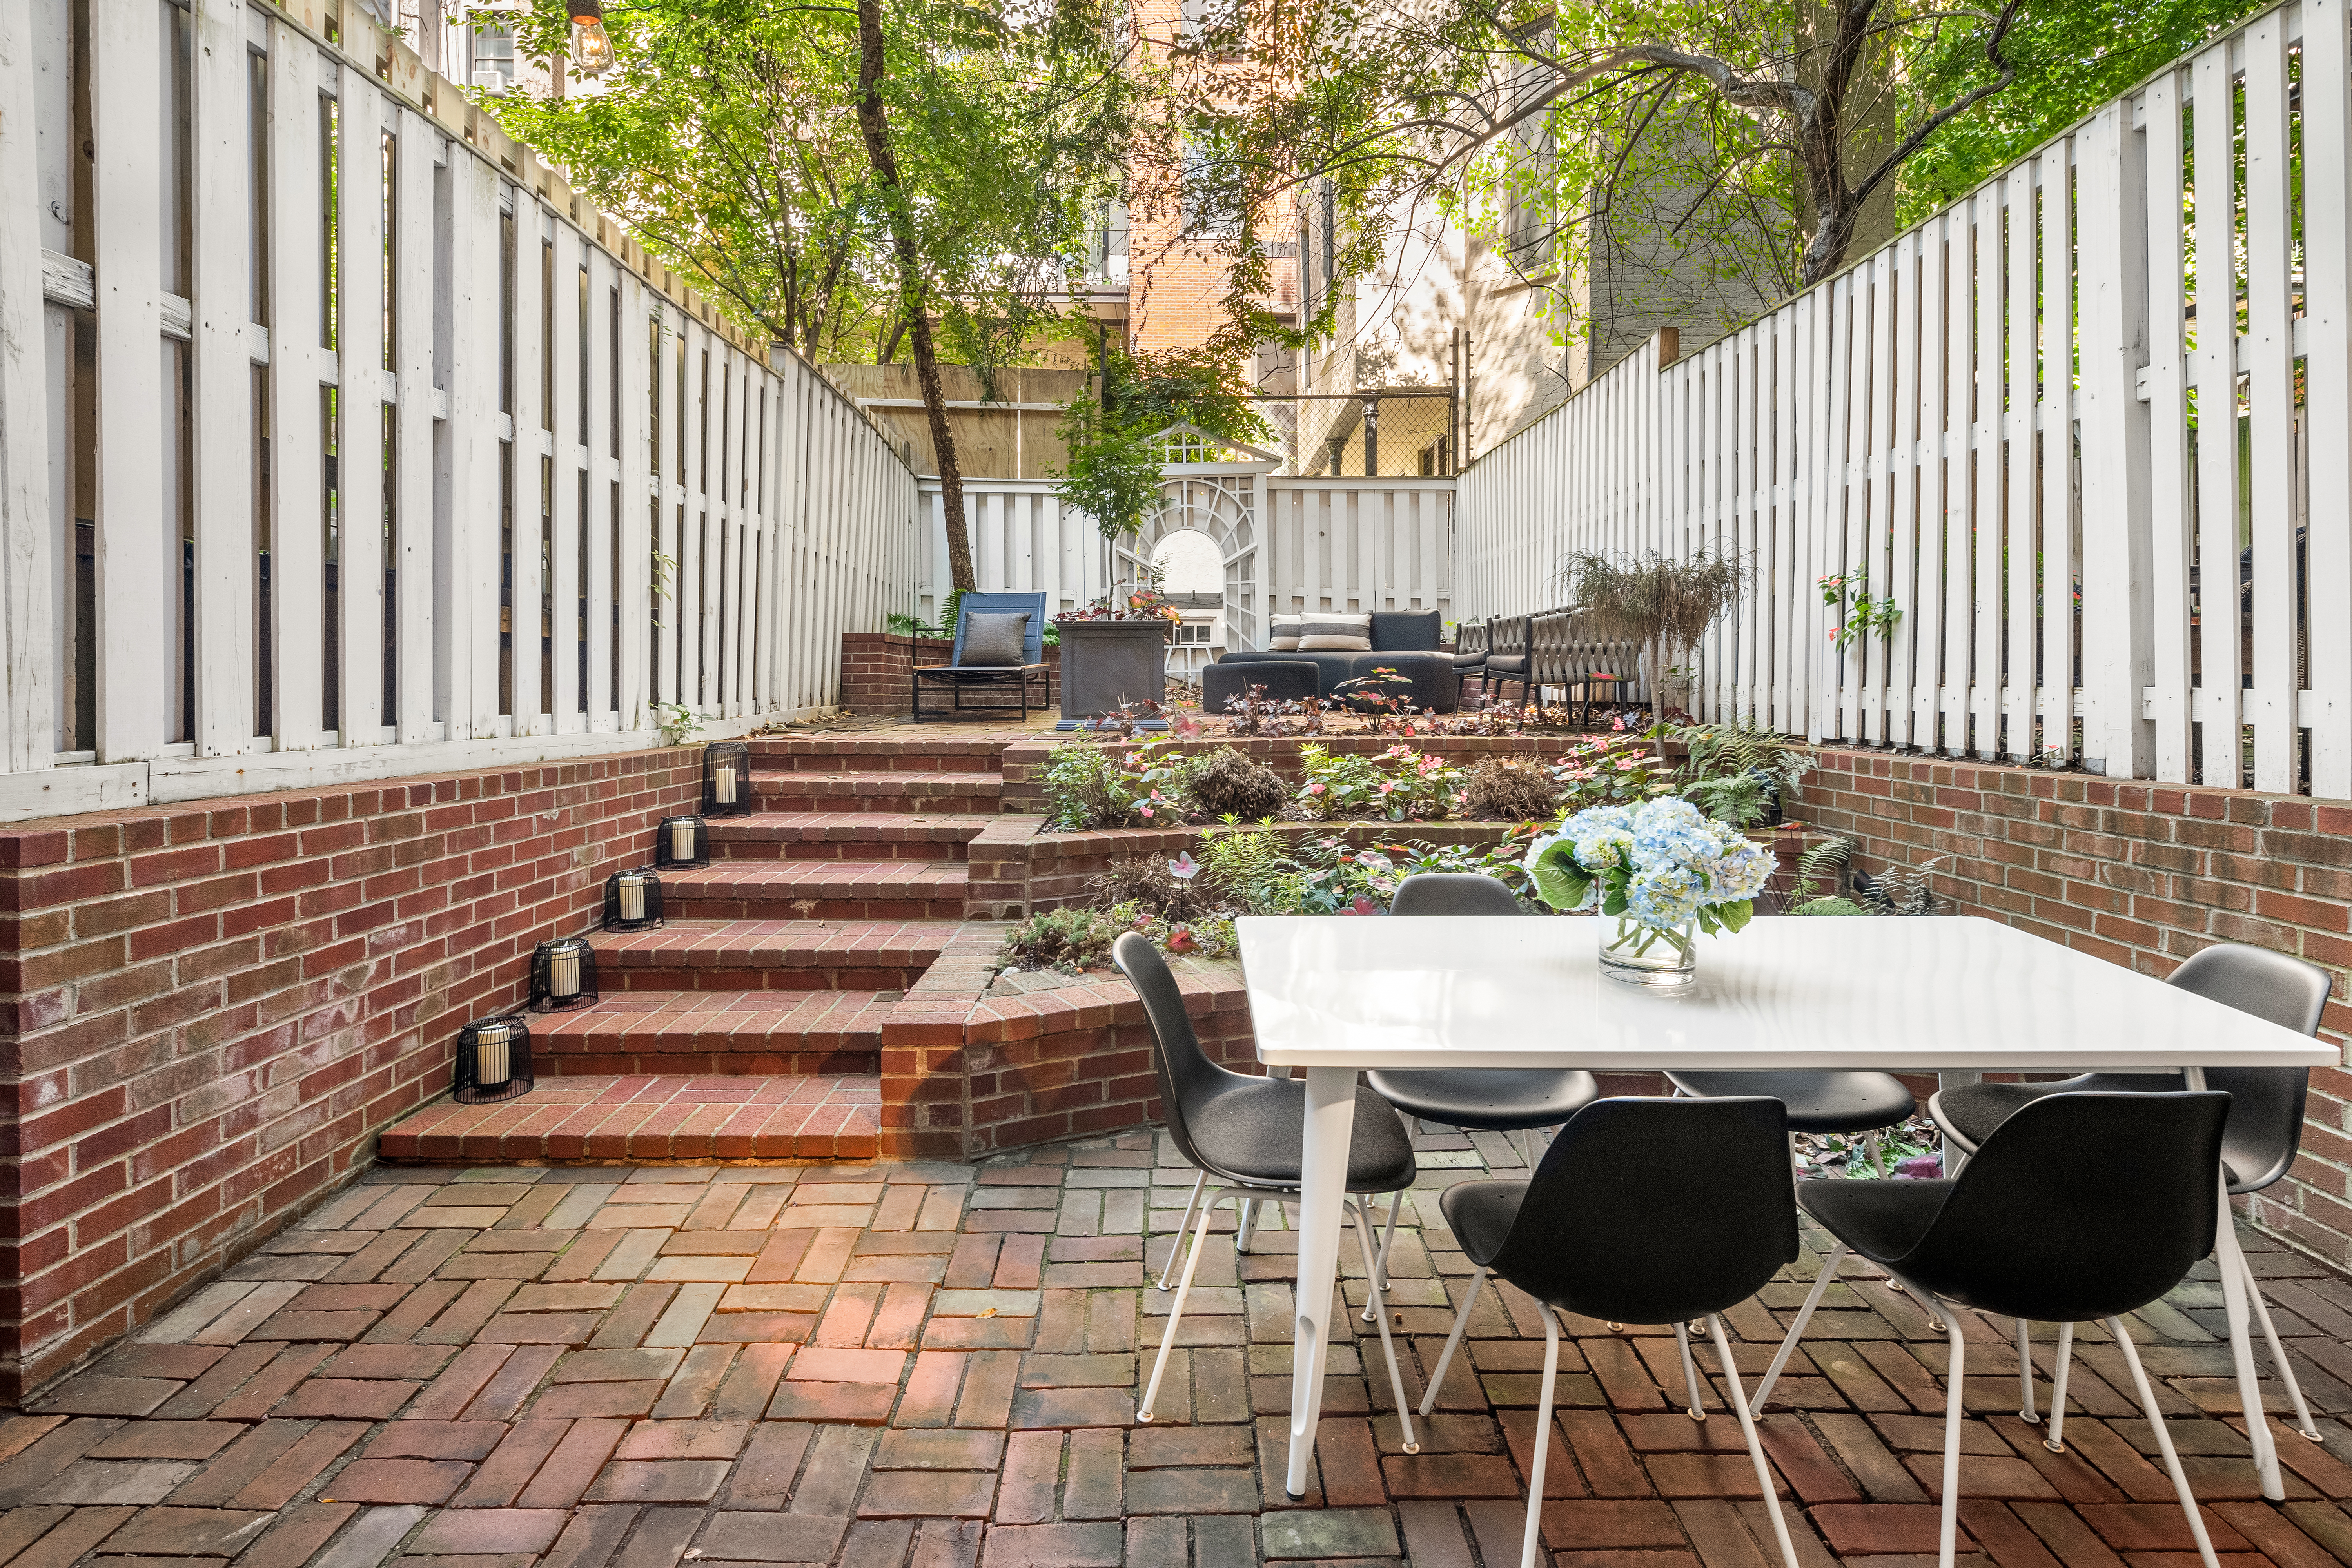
(2141, 874)
(877, 672)
(214, 1008)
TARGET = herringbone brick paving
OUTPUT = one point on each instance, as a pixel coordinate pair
(935, 1366)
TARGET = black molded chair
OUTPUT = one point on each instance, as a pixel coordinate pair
(2266, 1104)
(2080, 1206)
(1249, 1133)
(1818, 1101)
(1486, 1100)
(1643, 1211)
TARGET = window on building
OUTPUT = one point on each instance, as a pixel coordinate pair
(1212, 208)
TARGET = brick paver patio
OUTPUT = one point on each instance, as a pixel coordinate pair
(934, 1366)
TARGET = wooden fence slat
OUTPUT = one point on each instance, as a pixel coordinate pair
(2215, 461)
(299, 367)
(2271, 524)
(2327, 90)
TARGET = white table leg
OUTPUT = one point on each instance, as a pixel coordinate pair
(1331, 1128)
(2241, 1344)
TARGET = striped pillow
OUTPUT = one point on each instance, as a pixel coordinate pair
(1328, 633)
(1285, 634)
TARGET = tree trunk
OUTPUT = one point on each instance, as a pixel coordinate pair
(875, 125)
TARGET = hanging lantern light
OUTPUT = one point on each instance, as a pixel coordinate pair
(562, 974)
(681, 843)
(493, 1060)
(592, 47)
(727, 779)
(633, 901)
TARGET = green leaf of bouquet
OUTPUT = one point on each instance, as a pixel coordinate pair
(1735, 917)
(1559, 880)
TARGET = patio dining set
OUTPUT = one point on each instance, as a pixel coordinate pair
(2079, 1200)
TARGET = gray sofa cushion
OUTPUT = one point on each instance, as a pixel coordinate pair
(1407, 631)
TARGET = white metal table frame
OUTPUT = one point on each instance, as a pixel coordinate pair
(1959, 997)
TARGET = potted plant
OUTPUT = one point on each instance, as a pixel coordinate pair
(1659, 603)
(1114, 653)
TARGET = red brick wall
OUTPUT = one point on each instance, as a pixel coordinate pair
(2141, 874)
(877, 672)
(214, 1007)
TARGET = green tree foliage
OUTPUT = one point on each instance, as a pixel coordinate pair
(1761, 144)
(2070, 58)
(851, 177)
(1115, 436)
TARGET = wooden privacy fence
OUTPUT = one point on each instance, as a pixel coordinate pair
(339, 438)
(2113, 537)
(1289, 543)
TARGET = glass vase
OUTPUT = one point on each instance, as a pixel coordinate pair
(1662, 956)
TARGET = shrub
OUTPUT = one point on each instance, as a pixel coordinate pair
(1085, 789)
(1598, 773)
(1068, 939)
(1229, 782)
(1154, 884)
(1401, 783)
(1512, 791)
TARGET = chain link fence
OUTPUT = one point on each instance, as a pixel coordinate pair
(1400, 432)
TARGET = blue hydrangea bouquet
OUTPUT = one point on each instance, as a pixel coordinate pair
(1663, 870)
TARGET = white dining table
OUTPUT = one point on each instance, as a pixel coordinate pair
(1957, 996)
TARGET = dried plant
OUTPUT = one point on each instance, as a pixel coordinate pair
(1512, 791)
(1662, 603)
(1229, 782)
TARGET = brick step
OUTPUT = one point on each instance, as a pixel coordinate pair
(669, 1117)
(928, 791)
(877, 753)
(715, 1032)
(771, 955)
(817, 891)
(846, 835)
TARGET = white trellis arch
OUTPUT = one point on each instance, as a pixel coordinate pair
(1224, 498)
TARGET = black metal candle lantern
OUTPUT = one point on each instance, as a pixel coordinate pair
(633, 901)
(727, 779)
(493, 1060)
(682, 843)
(562, 974)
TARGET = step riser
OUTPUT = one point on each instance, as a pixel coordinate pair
(799, 977)
(767, 759)
(707, 1063)
(923, 849)
(784, 906)
(790, 796)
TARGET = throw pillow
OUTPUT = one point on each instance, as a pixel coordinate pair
(1285, 636)
(996, 639)
(1328, 633)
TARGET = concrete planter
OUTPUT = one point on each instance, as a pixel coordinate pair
(1106, 663)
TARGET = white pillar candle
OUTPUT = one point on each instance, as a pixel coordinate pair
(493, 1057)
(681, 839)
(563, 972)
(633, 895)
(722, 782)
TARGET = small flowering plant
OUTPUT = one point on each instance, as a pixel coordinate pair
(1133, 605)
(1659, 868)
(1399, 784)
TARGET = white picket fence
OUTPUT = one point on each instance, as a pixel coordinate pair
(1342, 545)
(1997, 418)
(318, 394)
